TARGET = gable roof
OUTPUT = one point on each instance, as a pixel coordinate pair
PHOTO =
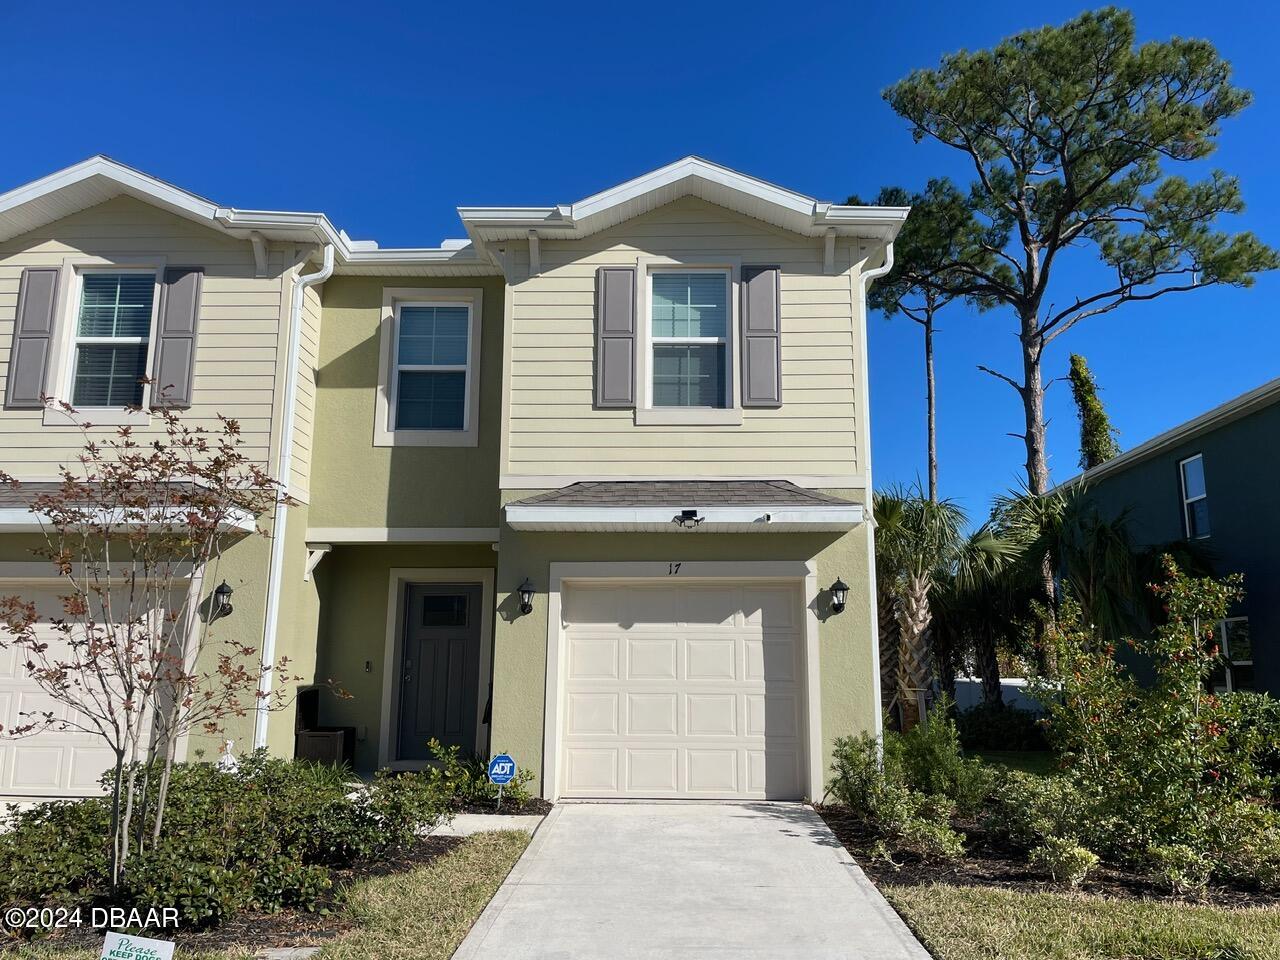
(98, 179)
(690, 176)
(1234, 409)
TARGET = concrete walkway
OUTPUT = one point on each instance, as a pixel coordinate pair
(693, 880)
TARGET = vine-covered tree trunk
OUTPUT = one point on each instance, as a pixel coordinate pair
(931, 399)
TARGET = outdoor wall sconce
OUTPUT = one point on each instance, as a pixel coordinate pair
(526, 596)
(687, 519)
(221, 605)
(839, 595)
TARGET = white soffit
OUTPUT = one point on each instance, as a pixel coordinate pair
(734, 519)
(690, 176)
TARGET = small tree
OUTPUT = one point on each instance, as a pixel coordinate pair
(1097, 435)
(135, 531)
(1068, 130)
(940, 232)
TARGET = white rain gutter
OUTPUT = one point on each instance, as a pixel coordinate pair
(279, 523)
(866, 278)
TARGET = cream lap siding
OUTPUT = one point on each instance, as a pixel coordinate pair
(236, 348)
(304, 423)
(554, 430)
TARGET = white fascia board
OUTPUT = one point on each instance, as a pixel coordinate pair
(22, 520)
(359, 535)
(758, 519)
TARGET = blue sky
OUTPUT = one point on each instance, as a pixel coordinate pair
(387, 117)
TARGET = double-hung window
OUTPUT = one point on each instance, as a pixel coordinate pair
(1235, 647)
(432, 347)
(689, 332)
(1195, 499)
(112, 332)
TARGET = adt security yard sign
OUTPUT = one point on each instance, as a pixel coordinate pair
(502, 770)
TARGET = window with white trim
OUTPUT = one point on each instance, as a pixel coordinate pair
(428, 367)
(112, 338)
(689, 326)
(431, 367)
(1195, 498)
(1235, 650)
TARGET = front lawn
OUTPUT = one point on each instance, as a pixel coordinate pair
(422, 913)
(988, 923)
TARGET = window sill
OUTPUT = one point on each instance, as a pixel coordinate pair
(701, 417)
(100, 417)
(425, 438)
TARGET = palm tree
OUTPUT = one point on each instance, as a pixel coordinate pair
(916, 540)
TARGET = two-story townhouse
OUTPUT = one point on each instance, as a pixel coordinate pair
(590, 487)
(1210, 481)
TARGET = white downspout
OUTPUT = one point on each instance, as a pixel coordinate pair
(280, 518)
(866, 279)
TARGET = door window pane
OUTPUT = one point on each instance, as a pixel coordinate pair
(446, 610)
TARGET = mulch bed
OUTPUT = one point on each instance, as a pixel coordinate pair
(286, 928)
(991, 861)
(533, 807)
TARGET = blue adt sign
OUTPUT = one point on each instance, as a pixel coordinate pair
(502, 769)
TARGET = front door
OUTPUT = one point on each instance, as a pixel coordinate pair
(439, 668)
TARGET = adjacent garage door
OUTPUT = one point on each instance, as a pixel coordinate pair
(50, 763)
(691, 691)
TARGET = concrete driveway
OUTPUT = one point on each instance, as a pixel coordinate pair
(656, 880)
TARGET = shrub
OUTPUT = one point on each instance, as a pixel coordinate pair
(1031, 810)
(54, 851)
(1183, 869)
(997, 726)
(1065, 860)
(1166, 763)
(466, 781)
(265, 836)
(928, 759)
(911, 819)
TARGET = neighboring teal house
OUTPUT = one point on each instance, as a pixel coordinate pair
(590, 485)
(1214, 480)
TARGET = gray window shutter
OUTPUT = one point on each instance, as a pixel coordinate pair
(761, 337)
(32, 339)
(615, 337)
(175, 361)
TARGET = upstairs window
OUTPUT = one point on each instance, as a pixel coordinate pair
(689, 330)
(1195, 500)
(113, 327)
(432, 353)
(1235, 648)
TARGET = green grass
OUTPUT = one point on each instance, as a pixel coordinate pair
(1040, 762)
(985, 923)
(423, 913)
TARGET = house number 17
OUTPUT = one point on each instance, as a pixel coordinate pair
(673, 569)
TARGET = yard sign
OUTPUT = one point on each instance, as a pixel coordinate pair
(124, 946)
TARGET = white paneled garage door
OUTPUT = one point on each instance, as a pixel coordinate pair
(50, 763)
(693, 690)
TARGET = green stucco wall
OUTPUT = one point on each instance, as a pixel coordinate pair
(849, 700)
(353, 583)
(354, 483)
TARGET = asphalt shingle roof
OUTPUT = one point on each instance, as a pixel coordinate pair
(682, 493)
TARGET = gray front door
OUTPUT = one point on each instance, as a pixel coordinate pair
(439, 668)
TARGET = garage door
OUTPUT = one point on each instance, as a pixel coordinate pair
(682, 691)
(50, 763)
